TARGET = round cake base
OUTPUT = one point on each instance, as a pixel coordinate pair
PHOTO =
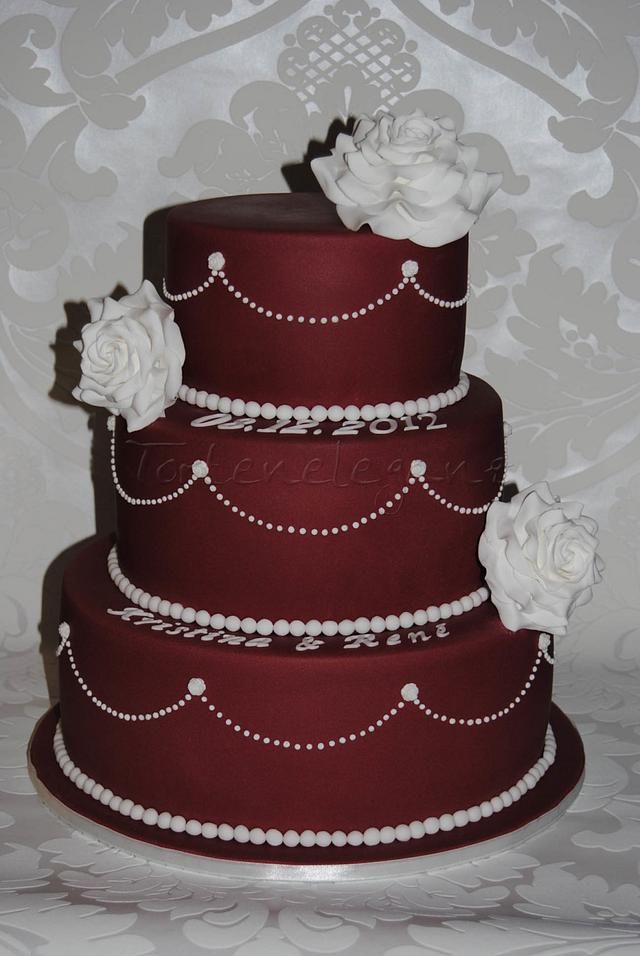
(535, 812)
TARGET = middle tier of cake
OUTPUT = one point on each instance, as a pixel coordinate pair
(276, 522)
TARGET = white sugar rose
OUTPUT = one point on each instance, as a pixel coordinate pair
(132, 357)
(407, 177)
(540, 559)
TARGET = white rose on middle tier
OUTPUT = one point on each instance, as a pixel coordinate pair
(540, 559)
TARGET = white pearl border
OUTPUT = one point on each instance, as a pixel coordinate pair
(409, 270)
(282, 627)
(372, 836)
(196, 689)
(321, 413)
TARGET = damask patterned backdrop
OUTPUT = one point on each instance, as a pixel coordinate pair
(111, 110)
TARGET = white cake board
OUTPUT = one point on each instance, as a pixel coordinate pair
(284, 872)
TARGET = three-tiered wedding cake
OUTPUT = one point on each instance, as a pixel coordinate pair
(289, 653)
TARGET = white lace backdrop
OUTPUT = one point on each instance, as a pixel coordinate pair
(113, 109)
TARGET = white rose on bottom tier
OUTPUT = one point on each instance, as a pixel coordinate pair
(540, 559)
(132, 357)
(407, 177)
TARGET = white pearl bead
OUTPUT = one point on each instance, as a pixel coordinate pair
(323, 838)
(281, 628)
(329, 628)
(410, 692)
(264, 627)
(196, 687)
(403, 832)
(200, 469)
(335, 413)
(319, 413)
(461, 818)
(268, 410)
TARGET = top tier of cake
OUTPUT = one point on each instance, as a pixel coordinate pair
(298, 310)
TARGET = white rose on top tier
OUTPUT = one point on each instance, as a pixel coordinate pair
(132, 357)
(540, 559)
(407, 177)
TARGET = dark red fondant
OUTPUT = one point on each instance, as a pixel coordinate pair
(557, 783)
(195, 551)
(291, 253)
(192, 764)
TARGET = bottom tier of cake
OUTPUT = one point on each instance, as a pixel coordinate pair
(299, 751)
